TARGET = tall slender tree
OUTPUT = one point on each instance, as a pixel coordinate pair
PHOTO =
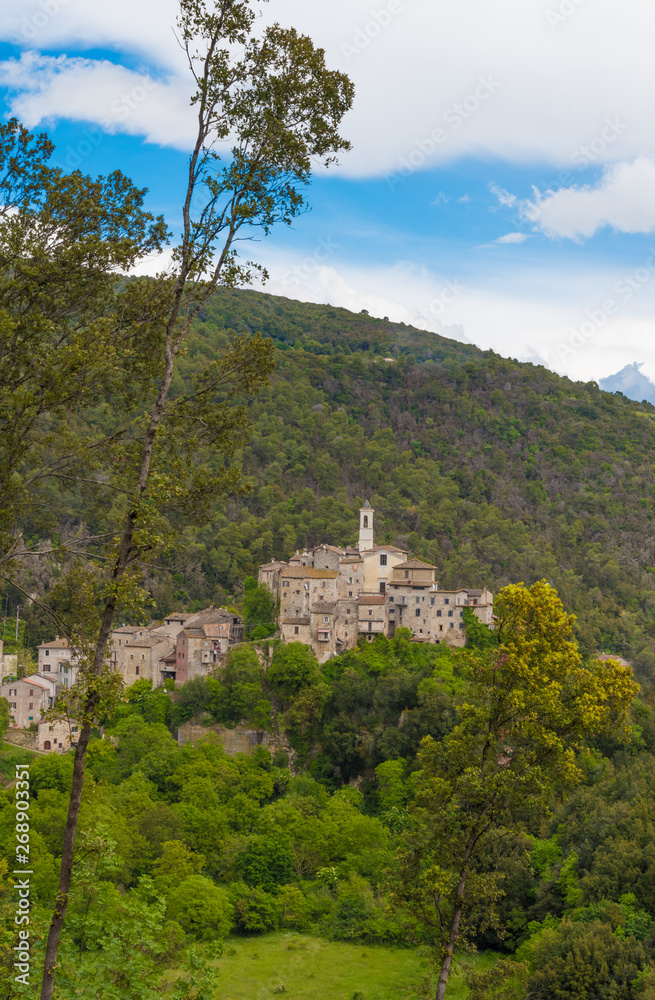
(267, 107)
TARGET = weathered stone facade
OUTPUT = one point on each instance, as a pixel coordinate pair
(238, 740)
(329, 596)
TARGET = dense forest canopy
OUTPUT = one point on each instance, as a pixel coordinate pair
(493, 470)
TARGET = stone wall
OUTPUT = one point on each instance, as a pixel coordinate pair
(235, 741)
(21, 738)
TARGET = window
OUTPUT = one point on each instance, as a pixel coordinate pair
(407, 574)
(325, 619)
(31, 692)
(47, 652)
(324, 584)
(30, 706)
(446, 600)
(461, 624)
(347, 611)
(450, 614)
(350, 593)
(439, 613)
(31, 718)
(452, 625)
(137, 669)
(461, 614)
(46, 668)
(370, 612)
(296, 630)
(350, 579)
(365, 521)
(418, 612)
(441, 628)
(418, 600)
(383, 559)
(432, 601)
(285, 583)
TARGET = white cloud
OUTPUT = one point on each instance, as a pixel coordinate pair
(513, 238)
(418, 71)
(624, 200)
(100, 92)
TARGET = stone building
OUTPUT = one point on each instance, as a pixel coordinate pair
(29, 699)
(56, 735)
(57, 659)
(329, 596)
(182, 647)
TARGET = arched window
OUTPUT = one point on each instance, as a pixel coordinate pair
(366, 520)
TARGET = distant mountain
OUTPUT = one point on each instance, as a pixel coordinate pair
(631, 382)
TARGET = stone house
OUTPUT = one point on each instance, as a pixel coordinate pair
(29, 699)
(205, 639)
(56, 735)
(56, 658)
(329, 595)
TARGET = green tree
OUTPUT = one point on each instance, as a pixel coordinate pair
(273, 97)
(528, 709)
(200, 907)
(4, 717)
(293, 667)
(258, 610)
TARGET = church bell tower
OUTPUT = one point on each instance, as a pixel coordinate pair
(366, 540)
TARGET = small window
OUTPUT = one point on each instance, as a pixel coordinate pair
(350, 593)
(47, 652)
(296, 630)
(285, 583)
(31, 692)
(461, 624)
(418, 600)
(452, 624)
(446, 600)
(461, 614)
(439, 614)
(324, 584)
(383, 559)
(365, 521)
(350, 579)
(418, 612)
(30, 706)
(441, 628)
(450, 614)
(30, 717)
(137, 669)
(407, 574)
(432, 601)
(370, 612)
(325, 619)
(46, 668)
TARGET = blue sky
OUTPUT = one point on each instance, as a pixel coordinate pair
(501, 187)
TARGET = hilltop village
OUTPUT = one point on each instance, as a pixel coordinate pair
(330, 596)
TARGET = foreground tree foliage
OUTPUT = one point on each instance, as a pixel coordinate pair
(71, 338)
(529, 708)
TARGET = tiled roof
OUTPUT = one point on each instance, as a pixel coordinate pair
(309, 573)
(371, 598)
(414, 564)
(34, 682)
(210, 616)
(55, 644)
(168, 654)
(177, 616)
(324, 607)
(605, 657)
(273, 565)
(295, 621)
(129, 629)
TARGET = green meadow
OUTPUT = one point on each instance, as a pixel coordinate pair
(311, 968)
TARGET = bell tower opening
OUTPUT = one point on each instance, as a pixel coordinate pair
(366, 538)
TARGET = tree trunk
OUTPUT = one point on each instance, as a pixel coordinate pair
(452, 939)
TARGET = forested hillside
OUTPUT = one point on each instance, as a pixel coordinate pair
(496, 471)
(493, 470)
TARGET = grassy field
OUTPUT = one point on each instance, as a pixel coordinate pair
(11, 755)
(314, 969)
